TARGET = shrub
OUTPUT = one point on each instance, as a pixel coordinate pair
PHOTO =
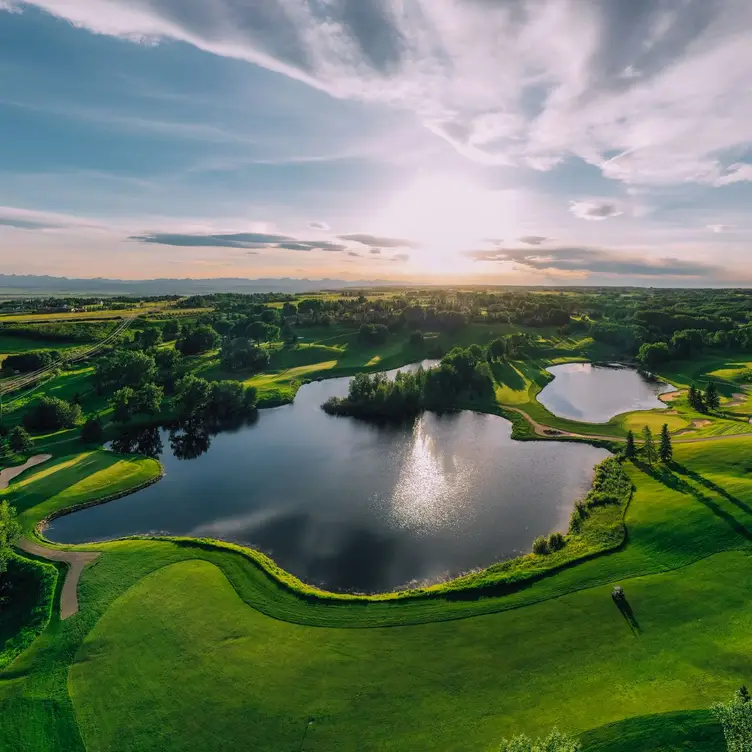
(556, 541)
(92, 431)
(52, 414)
(540, 546)
(19, 440)
(554, 742)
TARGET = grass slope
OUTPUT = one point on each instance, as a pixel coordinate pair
(182, 639)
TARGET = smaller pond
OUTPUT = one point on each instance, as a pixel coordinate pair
(596, 393)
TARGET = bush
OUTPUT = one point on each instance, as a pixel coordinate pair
(52, 414)
(19, 440)
(540, 546)
(92, 431)
(556, 541)
(554, 742)
(30, 361)
(417, 339)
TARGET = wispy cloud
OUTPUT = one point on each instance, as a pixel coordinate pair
(379, 241)
(531, 239)
(245, 240)
(595, 209)
(720, 229)
(596, 261)
(323, 226)
(650, 93)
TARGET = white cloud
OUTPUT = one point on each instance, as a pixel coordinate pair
(663, 86)
(595, 209)
(719, 229)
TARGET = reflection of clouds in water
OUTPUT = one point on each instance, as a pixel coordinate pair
(431, 490)
(227, 528)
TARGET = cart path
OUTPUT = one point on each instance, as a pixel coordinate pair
(76, 560)
(7, 475)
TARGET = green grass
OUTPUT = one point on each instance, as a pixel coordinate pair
(70, 481)
(655, 420)
(15, 345)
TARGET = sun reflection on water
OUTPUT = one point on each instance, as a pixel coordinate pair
(431, 490)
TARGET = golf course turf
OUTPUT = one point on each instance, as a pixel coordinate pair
(181, 645)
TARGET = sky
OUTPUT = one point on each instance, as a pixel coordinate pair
(474, 141)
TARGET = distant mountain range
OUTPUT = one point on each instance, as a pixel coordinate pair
(16, 285)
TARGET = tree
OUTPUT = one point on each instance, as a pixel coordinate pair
(696, 400)
(10, 532)
(712, 397)
(735, 717)
(19, 440)
(192, 395)
(201, 339)
(52, 414)
(554, 742)
(148, 399)
(648, 445)
(92, 431)
(242, 355)
(654, 354)
(124, 368)
(123, 404)
(498, 349)
(171, 330)
(417, 339)
(630, 451)
(665, 450)
(257, 331)
(148, 338)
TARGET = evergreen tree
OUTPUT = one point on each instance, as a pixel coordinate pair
(712, 398)
(666, 451)
(630, 451)
(648, 446)
(696, 400)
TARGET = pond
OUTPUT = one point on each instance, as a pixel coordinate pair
(348, 505)
(596, 393)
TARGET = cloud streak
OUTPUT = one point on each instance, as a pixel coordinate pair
(652, 93)
(244, 240)
(583, 260)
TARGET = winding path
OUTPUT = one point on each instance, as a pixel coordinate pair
(7, 475)
(76, 560)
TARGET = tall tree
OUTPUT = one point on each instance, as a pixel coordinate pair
(629, 450)
(648, 446)
(712, 397)
(696, 399)
(665, 450)
(19, 440)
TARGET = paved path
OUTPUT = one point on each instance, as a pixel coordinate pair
(76, 560)
(7, 475)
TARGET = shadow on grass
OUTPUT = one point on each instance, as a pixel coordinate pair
(629, 616)
(711, 486)
(663, 474)
(507, 375)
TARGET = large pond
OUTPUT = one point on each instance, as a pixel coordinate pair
(348, 505)
(596, 393)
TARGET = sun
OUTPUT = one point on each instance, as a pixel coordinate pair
(447, 215)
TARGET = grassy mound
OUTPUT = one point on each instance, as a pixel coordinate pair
(27, 592)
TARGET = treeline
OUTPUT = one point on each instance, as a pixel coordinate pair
(461, 373)
(63, 331)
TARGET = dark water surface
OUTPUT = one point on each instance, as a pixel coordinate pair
(596, 393)
(353, 506)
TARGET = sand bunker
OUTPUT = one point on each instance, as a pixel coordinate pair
(7, 475)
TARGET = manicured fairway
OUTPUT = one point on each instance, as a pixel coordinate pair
(182, 639)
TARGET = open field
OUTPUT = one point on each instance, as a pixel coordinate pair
(184, 624)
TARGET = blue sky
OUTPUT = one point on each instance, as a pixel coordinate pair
(498, 141)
